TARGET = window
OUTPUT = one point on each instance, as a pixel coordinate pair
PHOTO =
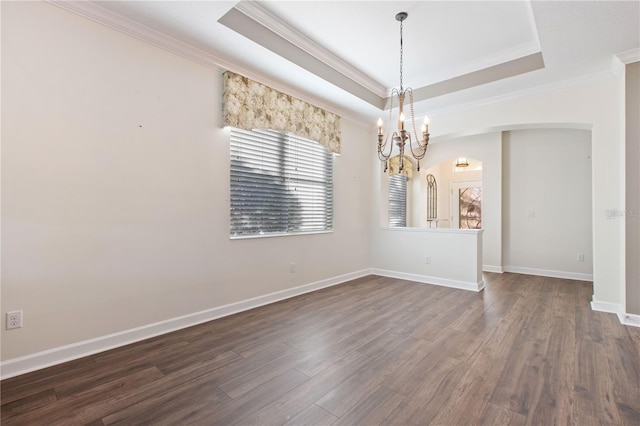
(280, 184)
(398, 200)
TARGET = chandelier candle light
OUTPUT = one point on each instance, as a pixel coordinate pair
(401, 136)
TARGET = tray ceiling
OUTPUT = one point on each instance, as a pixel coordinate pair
(346, 53)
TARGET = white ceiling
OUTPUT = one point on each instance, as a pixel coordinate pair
(345, 54)
(441, 39)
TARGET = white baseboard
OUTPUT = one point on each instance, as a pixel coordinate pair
(549, 273)
(37, 361)
(612, 308)
(463, 285)
(632, 320)
(492, 268)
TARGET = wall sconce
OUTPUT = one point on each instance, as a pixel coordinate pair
(462, 162)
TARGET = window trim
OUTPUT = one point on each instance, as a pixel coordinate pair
(293, 234)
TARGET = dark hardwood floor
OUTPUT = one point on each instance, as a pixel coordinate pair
(372, 351)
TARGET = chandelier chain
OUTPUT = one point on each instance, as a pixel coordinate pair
(401, 52)
(389, 125)
(413, 115)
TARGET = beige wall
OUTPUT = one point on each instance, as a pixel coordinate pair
(592, 104)
(115, 187)
(547, 202)
(632, 171)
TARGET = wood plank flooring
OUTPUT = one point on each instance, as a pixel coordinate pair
(526, 350)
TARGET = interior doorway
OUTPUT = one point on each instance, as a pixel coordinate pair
(466, 205)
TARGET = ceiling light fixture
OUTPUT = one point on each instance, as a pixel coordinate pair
(401, 136)
(462, 162)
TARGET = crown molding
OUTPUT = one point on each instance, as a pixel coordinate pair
(135, 29)
(163, 41)
(629, 56)
(542, 89)
(617, 66)
(262, 16)
(497, 59)
(246, 26)
(96, 13)
(478, 78)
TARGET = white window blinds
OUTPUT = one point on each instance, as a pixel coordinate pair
(398, 201)
(280, 184)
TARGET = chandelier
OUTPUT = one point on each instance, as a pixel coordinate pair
(402, 136)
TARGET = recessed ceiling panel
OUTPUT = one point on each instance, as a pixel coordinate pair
(452, 54)
(442, 39)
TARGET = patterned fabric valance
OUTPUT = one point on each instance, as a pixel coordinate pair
(394, 165)
(249, 105)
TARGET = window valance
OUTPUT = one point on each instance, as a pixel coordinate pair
(249, 105)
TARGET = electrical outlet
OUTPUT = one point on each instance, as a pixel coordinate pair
(14, 319)
(427, 260)
(580, 257)
(292, 268)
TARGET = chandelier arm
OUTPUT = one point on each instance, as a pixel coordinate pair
(382, 145)
(381, 154)
(420, 155)
(423, 149)
(383, 157)
(386, 139)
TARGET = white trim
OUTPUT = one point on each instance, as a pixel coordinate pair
(611, 308)
(514, 95)
(629, 56)
(506, 128)
(493, 60)
(493, 268)
(159, 39)
(37, 361)
(549, 273)
(617, 66)
(142, 32)
(632, 320)
(444, 282)
(263, 17)
(433, 230)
